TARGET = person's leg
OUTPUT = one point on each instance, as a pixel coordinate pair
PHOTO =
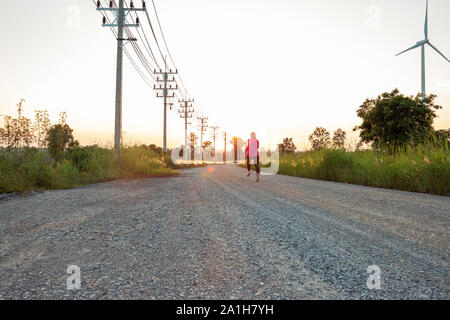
(257, 169)
(257, 166)
(248, 166)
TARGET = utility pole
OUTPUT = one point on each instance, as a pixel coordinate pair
(235, 146)
(203, 128)
(165, 89)
(214, 129)
(119, 22)
(186, 113)
(193, 139)
(225, 147)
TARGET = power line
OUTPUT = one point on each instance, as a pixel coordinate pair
(165, 43)
(145, 67)
(154, 35)
(148, 47)
(133, 63)
(151, 52)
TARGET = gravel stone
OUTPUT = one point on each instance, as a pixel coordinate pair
(212, 233)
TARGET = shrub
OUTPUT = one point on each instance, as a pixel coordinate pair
(423, 168)
(26, 169)
(335, 164)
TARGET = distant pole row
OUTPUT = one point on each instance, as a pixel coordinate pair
(186, 113)
(166, 83)
(203, 127)
(165, 89)
(214, 130)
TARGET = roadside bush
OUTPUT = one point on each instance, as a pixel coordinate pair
(140, 161)
(30, 168)
(37, 170)
(335, 164)
(23, 168)
(65, 175)
(424, 168)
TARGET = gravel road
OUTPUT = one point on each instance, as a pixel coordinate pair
(212, 233)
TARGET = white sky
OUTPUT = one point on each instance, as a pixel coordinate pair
(277, 67)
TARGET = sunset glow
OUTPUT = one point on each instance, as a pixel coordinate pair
(297, 65)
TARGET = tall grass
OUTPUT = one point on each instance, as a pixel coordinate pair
(33, 169)
(423, 169)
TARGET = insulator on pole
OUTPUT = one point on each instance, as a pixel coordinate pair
(104, 20)
(110, 4)
(143, 4)
(98, 4)
(137, 20)
(131, 4)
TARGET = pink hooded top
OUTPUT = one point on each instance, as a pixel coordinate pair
(252, 148)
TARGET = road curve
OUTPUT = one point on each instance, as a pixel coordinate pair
(212, 233)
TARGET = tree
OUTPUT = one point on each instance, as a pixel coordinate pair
(393, 119)
(442, 137)
(193, 142)
(17, 132)
(339, 137)
(206, 145)
(2, 134)
(237, 141)
(41, 126)
(7, 133)
(59, 138)
(320, 139)
(62, 118)
(287, 146)
(155, 148)
(24, 134)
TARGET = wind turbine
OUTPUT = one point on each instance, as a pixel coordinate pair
(422, 45)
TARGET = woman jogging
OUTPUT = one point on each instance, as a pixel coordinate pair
(252, 153)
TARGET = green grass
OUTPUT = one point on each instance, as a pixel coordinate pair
(32, 169)
(422, 169)
(252, 167)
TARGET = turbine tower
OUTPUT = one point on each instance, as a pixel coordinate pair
(422, 45)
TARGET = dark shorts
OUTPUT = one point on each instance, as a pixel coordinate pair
(255, 161)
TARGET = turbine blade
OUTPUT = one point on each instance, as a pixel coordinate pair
(426, 23)
(438, 51)
(413, 47)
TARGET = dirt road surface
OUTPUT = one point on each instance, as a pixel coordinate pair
(212, 233)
